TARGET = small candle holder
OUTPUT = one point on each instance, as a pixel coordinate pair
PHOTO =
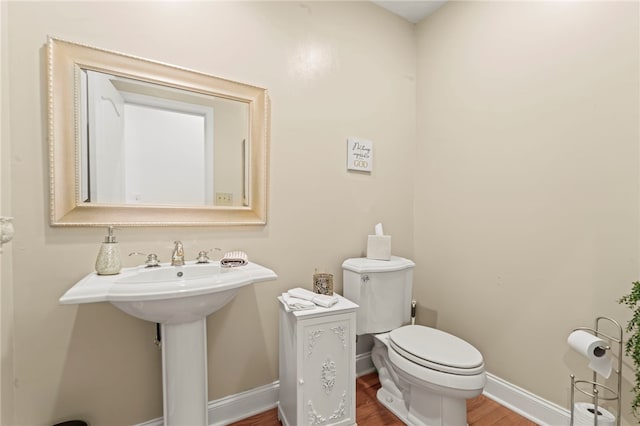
(323, 283)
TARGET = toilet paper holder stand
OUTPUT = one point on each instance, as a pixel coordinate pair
(594, 387)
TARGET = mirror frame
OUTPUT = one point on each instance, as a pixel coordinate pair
(64, 63)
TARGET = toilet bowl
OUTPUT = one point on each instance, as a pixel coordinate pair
(426, 375)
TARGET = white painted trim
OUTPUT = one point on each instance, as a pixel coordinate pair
(525, 403)
(364, 365)
(154, 422)
(236, 407)
(246, 404)
(242, 405)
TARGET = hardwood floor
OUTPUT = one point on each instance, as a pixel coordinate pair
(481, 411)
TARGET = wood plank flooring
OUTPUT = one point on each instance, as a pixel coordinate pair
(481, 411)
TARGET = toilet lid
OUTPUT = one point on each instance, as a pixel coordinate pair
(437, 350)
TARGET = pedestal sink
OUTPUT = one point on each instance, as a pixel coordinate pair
(179, 298)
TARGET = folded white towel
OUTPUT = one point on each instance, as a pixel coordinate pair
(319, 299)
(295, 304)
(233, 259)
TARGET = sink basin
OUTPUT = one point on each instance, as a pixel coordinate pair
(168, 294)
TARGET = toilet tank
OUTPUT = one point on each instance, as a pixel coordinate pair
(382, 289)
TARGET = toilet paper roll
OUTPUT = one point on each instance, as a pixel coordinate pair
(592, 348)
(584, 415)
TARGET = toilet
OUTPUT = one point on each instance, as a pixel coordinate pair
(426, 374)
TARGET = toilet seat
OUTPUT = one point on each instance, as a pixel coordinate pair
(436, 350)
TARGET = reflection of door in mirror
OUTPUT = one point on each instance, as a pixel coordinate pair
(104, 140)
(149, 144)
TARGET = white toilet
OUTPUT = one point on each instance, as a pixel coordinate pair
(426, 374)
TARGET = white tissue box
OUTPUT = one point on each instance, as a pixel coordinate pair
(379, 247)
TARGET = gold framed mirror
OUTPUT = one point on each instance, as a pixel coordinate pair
(135, 142)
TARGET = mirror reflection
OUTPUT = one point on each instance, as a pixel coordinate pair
(136, 142)
(150, 144)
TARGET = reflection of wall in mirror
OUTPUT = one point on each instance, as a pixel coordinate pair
(152, 145)
(145, 149)
(228, 148)
(165, 157)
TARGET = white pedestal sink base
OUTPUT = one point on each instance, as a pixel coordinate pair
(184, 372)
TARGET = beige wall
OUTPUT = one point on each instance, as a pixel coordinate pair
(333, 70)
(526, 188)
(526, 202)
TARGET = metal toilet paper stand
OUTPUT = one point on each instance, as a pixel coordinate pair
(593, 388)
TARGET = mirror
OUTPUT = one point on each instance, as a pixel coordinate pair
(138, 142)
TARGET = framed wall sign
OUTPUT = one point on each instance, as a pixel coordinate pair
(359, 155)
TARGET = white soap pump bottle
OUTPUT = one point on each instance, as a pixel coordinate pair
(108, 260)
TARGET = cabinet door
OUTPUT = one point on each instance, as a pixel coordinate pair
(328, 370)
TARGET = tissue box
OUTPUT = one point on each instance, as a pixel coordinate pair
(379, 247)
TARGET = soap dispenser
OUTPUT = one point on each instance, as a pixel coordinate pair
(108, 260)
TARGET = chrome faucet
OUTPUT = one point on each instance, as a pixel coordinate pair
(177, 258)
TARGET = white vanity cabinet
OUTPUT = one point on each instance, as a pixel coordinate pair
(317, 365)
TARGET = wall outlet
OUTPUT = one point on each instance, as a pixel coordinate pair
(224, 199)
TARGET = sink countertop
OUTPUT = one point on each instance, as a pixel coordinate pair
(131, 285)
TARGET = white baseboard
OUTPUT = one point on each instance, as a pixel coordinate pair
(525, 403)
(154, 422)
(246, 404)
(236, 407)
(364, 365)
(242, 405)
